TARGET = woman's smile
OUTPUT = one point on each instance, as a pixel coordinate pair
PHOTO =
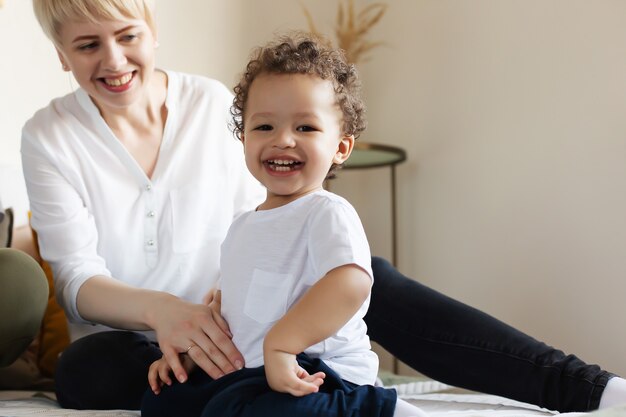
(118, 84)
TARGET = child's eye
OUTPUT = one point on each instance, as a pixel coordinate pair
(263, 127)
(306, 128)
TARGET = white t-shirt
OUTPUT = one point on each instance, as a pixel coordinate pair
(270, 258)
(97, 213)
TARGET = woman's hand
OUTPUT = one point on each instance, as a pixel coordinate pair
(181, 327)
(285, 375)
(199, 331)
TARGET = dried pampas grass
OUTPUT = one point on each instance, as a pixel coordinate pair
(352, 28)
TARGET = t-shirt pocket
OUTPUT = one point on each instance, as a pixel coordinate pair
(267, 296)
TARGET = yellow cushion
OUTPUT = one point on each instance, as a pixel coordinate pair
(54, 336)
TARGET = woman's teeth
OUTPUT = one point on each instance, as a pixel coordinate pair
(116, 82)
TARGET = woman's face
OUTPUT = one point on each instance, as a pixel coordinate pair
(113, 60)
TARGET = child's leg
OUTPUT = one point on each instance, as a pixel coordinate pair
(182, 400)
(253, 397)
(404, 409)
(190, 398)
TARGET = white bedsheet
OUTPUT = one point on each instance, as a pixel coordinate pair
(31, 403)
(438, 400)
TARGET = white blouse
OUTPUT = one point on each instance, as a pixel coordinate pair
(97, 213)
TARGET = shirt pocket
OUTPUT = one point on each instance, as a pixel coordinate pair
(267, 297)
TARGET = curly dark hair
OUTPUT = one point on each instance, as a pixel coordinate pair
(304, 53)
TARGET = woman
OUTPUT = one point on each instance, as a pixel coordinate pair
(122, 177)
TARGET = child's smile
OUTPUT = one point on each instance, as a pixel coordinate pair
(283, 165)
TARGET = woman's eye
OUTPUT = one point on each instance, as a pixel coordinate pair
(263, 127)
(129, 37)
(87, 46)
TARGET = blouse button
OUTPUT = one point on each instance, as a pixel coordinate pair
(149, 187)
(151, 213)
(150, 242)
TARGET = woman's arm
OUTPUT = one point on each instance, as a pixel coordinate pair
(321, 312)
(178, 324)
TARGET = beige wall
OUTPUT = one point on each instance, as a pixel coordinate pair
(514, 195)
(29, 78)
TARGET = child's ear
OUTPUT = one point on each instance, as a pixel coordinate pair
(242, 138)
(344, 149)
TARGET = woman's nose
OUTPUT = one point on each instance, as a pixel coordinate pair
(114, 57)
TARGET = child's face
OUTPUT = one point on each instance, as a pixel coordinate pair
(292, 134)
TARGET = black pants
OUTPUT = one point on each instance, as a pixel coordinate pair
(245, 393)
(436, 335)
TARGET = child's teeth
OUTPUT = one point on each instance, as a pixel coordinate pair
(282, 165)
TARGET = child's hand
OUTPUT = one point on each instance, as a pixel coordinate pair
(285, 375)
(159, 374)
(160, 370)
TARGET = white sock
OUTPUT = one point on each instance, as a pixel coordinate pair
(614, 393)
(404, 409)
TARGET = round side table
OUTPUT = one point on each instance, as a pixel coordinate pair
(374, 155)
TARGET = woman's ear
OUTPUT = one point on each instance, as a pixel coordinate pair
(64, 65)
(155, 36)
(344, 149)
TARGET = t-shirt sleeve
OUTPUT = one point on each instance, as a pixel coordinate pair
(337, 238)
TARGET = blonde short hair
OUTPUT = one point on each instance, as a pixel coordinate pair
(52, 14)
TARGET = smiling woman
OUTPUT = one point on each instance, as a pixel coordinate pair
(118, 232)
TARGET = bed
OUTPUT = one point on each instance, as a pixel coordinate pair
(435, 398)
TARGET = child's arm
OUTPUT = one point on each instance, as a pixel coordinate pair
(160, 370)
(323, 310)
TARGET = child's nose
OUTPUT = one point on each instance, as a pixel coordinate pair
(284, 139)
